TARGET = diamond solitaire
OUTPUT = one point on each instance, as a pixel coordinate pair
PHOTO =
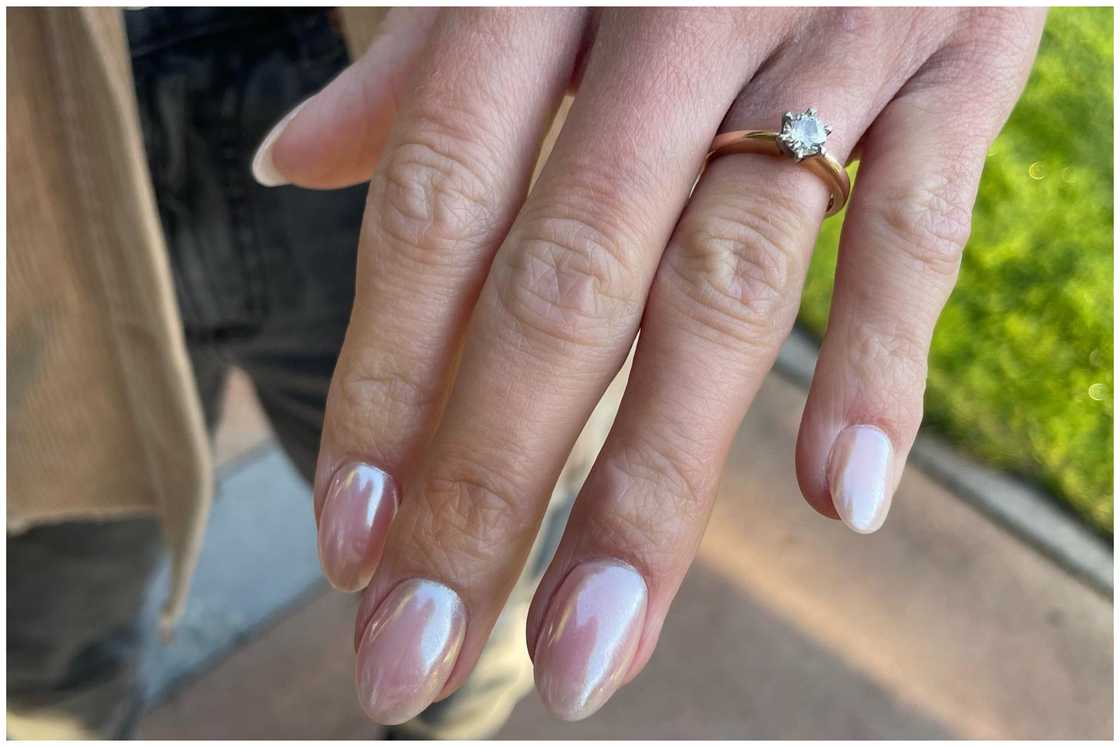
(803, 135)
(801, 139)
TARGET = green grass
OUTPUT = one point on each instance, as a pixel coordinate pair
(1021, 365)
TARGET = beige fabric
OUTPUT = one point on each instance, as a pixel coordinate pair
(103, 416)
(57, 725)
(359, 26)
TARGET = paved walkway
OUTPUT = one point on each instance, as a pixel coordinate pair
(788, 626)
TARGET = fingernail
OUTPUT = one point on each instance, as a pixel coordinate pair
(859, 476)
(409, 649)
(264, 170)
(360, 504)
(589, 638)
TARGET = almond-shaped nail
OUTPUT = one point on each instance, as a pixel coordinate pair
(264, 169)
(409, 649)
(859, 477)
(589, 637)
(360, 504)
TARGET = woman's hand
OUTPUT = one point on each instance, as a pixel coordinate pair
(487, 323)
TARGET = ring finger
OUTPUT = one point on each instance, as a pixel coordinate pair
(724, 298)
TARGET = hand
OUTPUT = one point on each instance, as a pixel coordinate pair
(487, 323)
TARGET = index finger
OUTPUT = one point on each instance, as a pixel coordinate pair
(448, 185)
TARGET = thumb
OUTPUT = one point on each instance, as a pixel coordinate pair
(334, 138)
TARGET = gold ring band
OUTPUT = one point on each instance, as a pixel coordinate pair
(771, 143)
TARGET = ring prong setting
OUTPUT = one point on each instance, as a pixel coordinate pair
(803, 135)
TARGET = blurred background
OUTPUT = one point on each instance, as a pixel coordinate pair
(982, 610)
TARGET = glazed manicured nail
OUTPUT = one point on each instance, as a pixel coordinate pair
(589, 637)
(360, 504)
(409, 649)
(859, 477)
(264, 170)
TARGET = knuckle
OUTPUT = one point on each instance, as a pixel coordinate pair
(857, 23)
(1002, 27)
(670, 471)
(930, 222)
(889, 362)
(657, 495)
(470, 514)
(991, 49)
(375, 388)
(740, 270)
(568, 281)
(372, 388)
(495, 25)
(434, 199)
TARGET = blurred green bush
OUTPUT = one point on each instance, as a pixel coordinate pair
(1021, 366)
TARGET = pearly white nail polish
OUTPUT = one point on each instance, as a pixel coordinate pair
(859, 477)
(409, 649)
(359, 507)
(589, 637)
(264, 170)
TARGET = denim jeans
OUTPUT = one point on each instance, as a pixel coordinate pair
(264, 280)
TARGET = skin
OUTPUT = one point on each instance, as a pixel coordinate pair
(489, 320)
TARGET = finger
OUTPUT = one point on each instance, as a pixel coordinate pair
(334, 138)
(899, 255)
(723, 301)
(445, 191)
(553, 324)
